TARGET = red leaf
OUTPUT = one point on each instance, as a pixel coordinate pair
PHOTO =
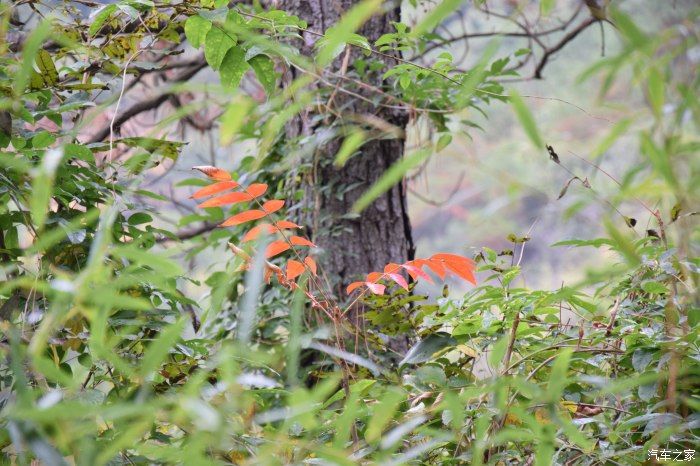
(391, 268)
(225, 199)
(294, 269)
(374, 277)
(286, 225)
(353, 286)
(256, 189)
(243, 217)
(272, 206)
(311, 264)
(463, 267)
(299, 241)
(399, 280)
(214, 188)
(214, 173)
(275, 248)
(254, 232)
(376, 288)
(434, 265)
(416, 272)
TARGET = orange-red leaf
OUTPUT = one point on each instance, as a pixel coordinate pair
(416, 272)
(434, 265)
(254, 232)
(311, 264)
(214, 188)
(256, 189)
(226, 199)
(391, 268)
(463, 267)
(243, 217)
(373, 277)
(376, 288)
(286, 225)
(272, 206)
(299, 241)
(353, 286)
(275, 248)
(214, 173)
(399, 280)
(294, 269)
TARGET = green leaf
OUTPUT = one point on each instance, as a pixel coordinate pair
(31, 47)
(158, 350)
(558, 378)
(615, 132)
(340, 33)
(526, 120)
(443, 141)
(43, 140)
(265, 71)
(659, 158)
(546, 6)
(100, 18)
(656, 91)
(47, 69)
(383, 413)
(216, 44)
(436, 15)
(196, 29)
(424, 349)
(498, 351)
(233, 67)
(349, 147)
(393, 175)
(653, 287)
(42, 186)
(233, 118)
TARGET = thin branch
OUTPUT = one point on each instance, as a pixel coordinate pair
(146, 105)
(549, 51)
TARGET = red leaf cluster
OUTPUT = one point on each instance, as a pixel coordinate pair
(440, 264)
(224, 194)
(228, 192)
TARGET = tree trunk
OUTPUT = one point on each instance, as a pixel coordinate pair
(382, 232)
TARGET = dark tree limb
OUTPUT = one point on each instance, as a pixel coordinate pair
(549, 51)
(188, 234)
(146, 105)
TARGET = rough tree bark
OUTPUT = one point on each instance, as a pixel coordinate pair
(382, 233)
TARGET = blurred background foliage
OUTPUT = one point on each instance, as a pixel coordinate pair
(121, 303)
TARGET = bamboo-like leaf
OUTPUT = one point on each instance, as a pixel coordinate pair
(526, 119)
(393, 175)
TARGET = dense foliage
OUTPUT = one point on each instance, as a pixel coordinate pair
(110, 357)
